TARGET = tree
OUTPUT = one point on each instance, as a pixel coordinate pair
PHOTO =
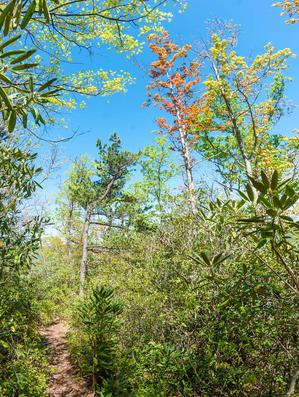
(93, 187)
(241, 103)
(275, 225)
(289, 8)
(171, 87)
(78, 23)
(67, 208)
(56, 29)
(76, 193)
(157, 168)
(20, 234)
(96, 320)
(20, 94)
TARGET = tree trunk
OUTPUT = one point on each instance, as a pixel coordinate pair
(247, 163)
(84, 261)
(237, 134)
(188, 169)
(185, 154)
(85, 234)
(292, 388)
(69, 229)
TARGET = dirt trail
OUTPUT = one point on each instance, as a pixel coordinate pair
(65, 381)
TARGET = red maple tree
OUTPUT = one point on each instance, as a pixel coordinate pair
(172, 85)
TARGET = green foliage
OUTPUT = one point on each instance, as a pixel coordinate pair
(209, 298)
(21, 357)
(161, 370)
(290, 8)
(112, 167)
(80, 187)
(157, 168)
(55, 283)
(275, 224)
(20, 94)
(242, 102)
(202, 314)
(244, 323)
(23, 363)
(91, 184)
(55, 29)
(96, 325)
(201, 323)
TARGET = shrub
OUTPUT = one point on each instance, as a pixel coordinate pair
(93, 342)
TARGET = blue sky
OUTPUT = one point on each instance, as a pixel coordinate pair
(124, 114)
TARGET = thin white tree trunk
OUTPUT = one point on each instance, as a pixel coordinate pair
(69, 229)
(292, 388)
(247, 163)
(185, 153)
(188, 169)
(237, 134)
(84, 260)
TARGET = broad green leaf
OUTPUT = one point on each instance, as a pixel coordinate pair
(5, 98)
(5, 79)
(28, 15)
(12, 120)
(9, 41)
(250, 192)
(46, 11)
(276, 202)
(216, 258)
(290, 191)
(255, 219)
(25, 119)
(21, 58)
(7, 23)
(265, 180)
(31, 86)
(5, 13)
(11, 53)
(47, 84)
(205, 258)
(258, 185)
(263, 200)
(50, 93)
(274, 180)
(287, 218)
(25, 66)
(243, 195)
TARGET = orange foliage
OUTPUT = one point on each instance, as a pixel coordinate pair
(172, 85)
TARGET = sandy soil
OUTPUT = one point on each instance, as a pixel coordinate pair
(65, 381)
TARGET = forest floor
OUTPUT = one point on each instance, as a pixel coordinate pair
(64, 381)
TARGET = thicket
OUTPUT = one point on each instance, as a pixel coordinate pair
(202, 314)
(169, 291)
(21, 355)
(208, 279)
(35, 42)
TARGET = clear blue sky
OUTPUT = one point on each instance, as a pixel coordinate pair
(124, 114)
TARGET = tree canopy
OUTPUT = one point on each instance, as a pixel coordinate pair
(166, 268)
